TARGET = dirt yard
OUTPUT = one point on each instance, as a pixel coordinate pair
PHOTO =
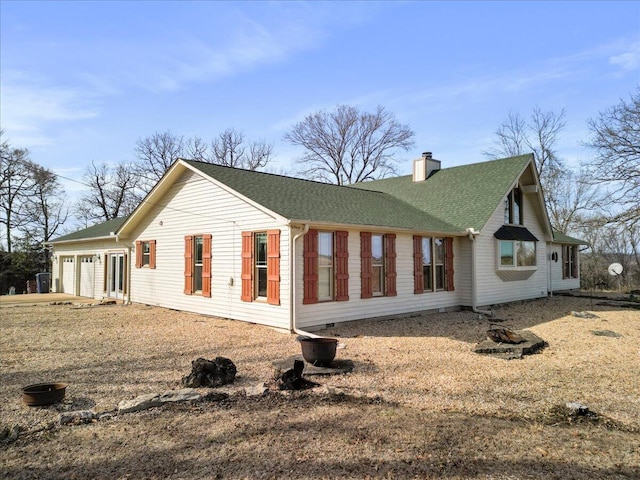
(419, 403)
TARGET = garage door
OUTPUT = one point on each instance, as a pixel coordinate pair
(86, 276)
(68, 276)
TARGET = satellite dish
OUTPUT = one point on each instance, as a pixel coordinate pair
(615, 269)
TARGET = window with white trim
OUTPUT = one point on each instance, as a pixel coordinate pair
(325, 266)
(377, 264)
(260, 264)
(517, 253)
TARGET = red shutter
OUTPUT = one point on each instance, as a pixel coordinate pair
(188, 265)
(366, 288)
(390, 273)
(152, 254)
(342, 266)
(310, 267)
(105, 273)
(273, 267)
(418, 275)
(206, 265)
(246, 275)
(448, 263)
(138, 254)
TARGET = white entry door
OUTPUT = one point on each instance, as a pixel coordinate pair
(116, 277)
(86, 276)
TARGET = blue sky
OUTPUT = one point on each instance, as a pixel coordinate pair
(82, 81)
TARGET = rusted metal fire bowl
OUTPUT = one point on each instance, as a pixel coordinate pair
(319, 351)
(43, 393)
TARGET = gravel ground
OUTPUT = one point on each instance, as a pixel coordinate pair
(419, 403)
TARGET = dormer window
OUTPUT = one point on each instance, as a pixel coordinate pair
(513, 208)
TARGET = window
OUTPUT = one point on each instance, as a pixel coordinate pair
(261, 264)
(146, 254)
(197, 263)
(517, 253)
(569, 261)
(513, 207)
(326, 266)
(260, 274)
(427, 264)
(197, 267)
(433, 264)
(377, 265)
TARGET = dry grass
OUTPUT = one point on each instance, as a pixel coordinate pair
(419, 403)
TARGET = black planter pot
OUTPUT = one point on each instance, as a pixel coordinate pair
(43, 393)
(319, 351)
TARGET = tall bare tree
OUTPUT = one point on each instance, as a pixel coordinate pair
(538, 135)
(155, 154)
(569, 198)
(347, 145)
(47, 210)
(230, 148)
(615, 139)
(15, 187)
(110, 194)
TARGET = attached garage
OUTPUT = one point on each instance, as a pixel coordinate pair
(68, 276)
(87, 275)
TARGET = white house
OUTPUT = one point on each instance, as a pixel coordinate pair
(298, 254)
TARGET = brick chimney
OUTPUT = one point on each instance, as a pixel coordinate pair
(424, 166)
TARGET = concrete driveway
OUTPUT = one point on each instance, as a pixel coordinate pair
(39, 298)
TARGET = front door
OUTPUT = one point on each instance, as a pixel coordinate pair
(116, 276)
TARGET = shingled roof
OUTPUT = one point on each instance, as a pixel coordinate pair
(100, 230)
(308, 201)
(464, 196)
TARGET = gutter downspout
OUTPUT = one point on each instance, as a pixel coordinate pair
(292, 285)
(128, 269)
(472, 233)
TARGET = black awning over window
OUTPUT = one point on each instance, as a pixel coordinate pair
(509, 232)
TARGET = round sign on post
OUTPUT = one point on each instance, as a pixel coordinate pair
(615, 269)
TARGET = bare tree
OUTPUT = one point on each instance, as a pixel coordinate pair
(15, 186)
(347, 145)
(229, 148)
(568, 196)
(111, 192)
(539, 135)
(570, 199)
(46, 210)
(155, 154)
(615, 138)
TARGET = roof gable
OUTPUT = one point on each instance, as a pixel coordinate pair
(466, 196)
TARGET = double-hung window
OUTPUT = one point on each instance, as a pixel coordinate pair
(260, 273)
(377, 264)
(145, 254)
(326, 266)
(261, 264)
(433, 263)
(197, 265)
(569, 261)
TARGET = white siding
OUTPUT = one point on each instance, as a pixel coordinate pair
(491, 289)
(322, 313)
(557, 282)
(193, 205)
(76, 251)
